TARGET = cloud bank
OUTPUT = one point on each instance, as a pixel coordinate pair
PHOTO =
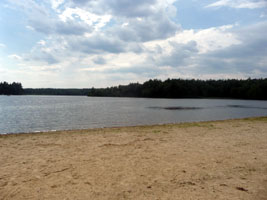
(100, 43)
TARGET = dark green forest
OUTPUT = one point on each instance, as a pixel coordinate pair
(10, 89)
(170, 88)
(179, 88)
(17, 89)
(53, 91)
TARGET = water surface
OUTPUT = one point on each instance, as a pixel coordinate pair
(44, 113)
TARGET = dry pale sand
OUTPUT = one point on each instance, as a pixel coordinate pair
(207, 160)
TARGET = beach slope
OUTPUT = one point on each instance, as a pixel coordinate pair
(205, 160)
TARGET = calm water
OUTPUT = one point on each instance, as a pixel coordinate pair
(43, 113)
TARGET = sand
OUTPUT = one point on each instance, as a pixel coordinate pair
(206, 160)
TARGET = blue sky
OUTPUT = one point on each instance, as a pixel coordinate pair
(100, 43)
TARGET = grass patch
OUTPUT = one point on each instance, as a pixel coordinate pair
(264, 119)
(156, 131)
(196, 124)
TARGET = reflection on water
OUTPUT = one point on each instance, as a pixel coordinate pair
(39, 113)
(176, 108)
(246, 106)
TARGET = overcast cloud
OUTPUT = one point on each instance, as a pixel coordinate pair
(100, 43)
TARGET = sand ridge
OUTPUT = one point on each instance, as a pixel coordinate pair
(205, 160)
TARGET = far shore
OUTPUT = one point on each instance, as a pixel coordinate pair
(197, 160)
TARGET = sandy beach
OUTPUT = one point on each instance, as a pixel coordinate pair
(206, 160)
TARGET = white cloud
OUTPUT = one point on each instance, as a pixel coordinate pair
(90, 18)
(2, 45)
(15, 57)
(41, 42)
(250, 4)
(56, 3)
(30, 28)
(207, 39)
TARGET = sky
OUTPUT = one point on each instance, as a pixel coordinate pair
(103, 43)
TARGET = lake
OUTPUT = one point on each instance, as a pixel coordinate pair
(45, 113)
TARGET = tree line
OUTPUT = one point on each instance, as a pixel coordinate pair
(56, 91)
(11, 89)
(170, 88)
(17, 89)
(179, 88)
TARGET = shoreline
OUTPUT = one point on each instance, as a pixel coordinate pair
(208, 160)
(208, 98)
(133, 126)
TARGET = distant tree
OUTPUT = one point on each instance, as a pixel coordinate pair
(178, 88)
(170, 88)
(11, 89)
